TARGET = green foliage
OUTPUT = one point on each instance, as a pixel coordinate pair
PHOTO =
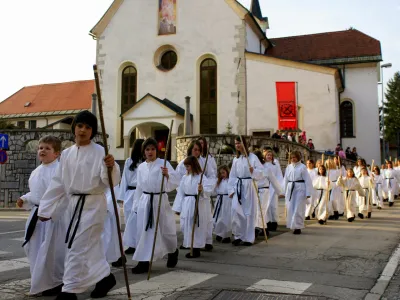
(392, 108)
(6, 125)
(228, 128)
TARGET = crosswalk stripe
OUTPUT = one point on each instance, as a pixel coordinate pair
(160, 286)
(275, 286)
(14, 264)
(14, 289)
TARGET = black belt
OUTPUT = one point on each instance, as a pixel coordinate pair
(348, 191)
(367, 193)
(32, 225)
(150, 216)
(131, 187)
(390, 184)
(218, 207)
(81, 201)
(263, 188)
(198, 218)
(239, 188)
(293, 184)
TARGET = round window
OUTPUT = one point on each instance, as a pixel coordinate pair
(168, 60)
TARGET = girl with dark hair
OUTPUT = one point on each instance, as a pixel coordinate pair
(150, 173)
(351, 186)
(244, 203)
(322, 185)
(377, 198)
(272, 214)
(298, 187)
(188, 190)
(223, 207)
(195, 150)
(313, 200)
(127, 194)
(267, 181)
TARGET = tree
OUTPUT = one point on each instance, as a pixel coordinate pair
(392, 109)
(6, 125)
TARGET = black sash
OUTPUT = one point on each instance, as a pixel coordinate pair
(239, 188)
(198, 218)
(263, 188)
(366, 195)
(390, 184)
(150, 216)
(131, 187)
(348, 192)
(217, 210)
(320, 198)
(81, 202)
(32, 225)
(293, 184)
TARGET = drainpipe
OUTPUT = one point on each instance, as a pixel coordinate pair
(186, 124)
(94, 104)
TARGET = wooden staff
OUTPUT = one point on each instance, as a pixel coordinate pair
(329, 194)
(109, 170)
(219, 155)
(196, 206)
(159, 201)
(369, 186)
(256, 190)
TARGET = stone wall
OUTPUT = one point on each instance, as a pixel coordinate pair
(223, 143)
(22, 160)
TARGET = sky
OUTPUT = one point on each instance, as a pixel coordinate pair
(47, 41)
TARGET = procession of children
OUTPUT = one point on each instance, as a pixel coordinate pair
(71, 235)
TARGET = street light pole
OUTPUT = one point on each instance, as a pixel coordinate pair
(388, 65)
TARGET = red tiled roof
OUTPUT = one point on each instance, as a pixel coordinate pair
(324, 46)
(73, 95)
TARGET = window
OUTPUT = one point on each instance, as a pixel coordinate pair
(168, 60)
(208, 97)
(128, 94)
(21, 124)
(346, 119)
(262, 133)
(32, 124)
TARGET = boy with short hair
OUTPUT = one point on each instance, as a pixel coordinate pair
(42, 246)
(82, 175)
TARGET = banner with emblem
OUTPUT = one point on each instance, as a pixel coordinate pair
(287, 105)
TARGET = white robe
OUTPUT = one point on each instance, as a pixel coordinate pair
(377, 197)
(223, 210)
(82, 171)
(46, 248)
(129, 178)
(272, 209)
(336, 196)
(320, 184)
(296, 194)
(149, 179)
(187, 193)
(351, 188)
(264, 184)
(244, 210)
(391, 178)
(312, 202)
(365, 204)
(110, 233)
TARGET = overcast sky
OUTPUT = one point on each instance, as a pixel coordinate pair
(47, 41)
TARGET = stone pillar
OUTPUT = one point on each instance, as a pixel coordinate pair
(94, 104)
(186, 126)
(126, 146)
(173, 147)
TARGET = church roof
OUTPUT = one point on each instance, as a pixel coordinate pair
(329, 47)
(255, 9)
(49, 99)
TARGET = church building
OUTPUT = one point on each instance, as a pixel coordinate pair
(154, 54)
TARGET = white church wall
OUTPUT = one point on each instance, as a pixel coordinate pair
(362, 90)
(252, 41)
(132, 36)
(317, 96)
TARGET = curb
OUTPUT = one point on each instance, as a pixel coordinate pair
(383, 281)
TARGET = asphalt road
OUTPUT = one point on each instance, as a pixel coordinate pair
(339, 260)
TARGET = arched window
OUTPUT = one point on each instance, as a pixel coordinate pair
(128, 94)
(208, 96)
(346, 119)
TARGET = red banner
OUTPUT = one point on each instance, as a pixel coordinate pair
(287, 105)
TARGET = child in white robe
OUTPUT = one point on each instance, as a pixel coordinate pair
(245, 198)
(223, 207)
(335, 196)
(322, 185)
(312, 202)
(127, 195)
(188, 191)
(149, 177)
(377, 197)
(272, 209)
(43, 245)
(83, 176)
(298, 187)
(367, 184)
(351, 187)
(390, 179)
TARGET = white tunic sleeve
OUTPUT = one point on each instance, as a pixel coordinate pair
(177, 206)
(258, 171)
(275, 183)
(115, 174)
(173, 180)
(232, 178)
(124, 181)
(307, 180)
(208, 187)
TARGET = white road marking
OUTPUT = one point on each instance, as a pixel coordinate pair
(160, 286)
(21, 239)
(15, 289)
(4, 252)
(14, 264)
(10, 232)
(275, 286)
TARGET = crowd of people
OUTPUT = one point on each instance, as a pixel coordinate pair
(291, 137)
(70, 252)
